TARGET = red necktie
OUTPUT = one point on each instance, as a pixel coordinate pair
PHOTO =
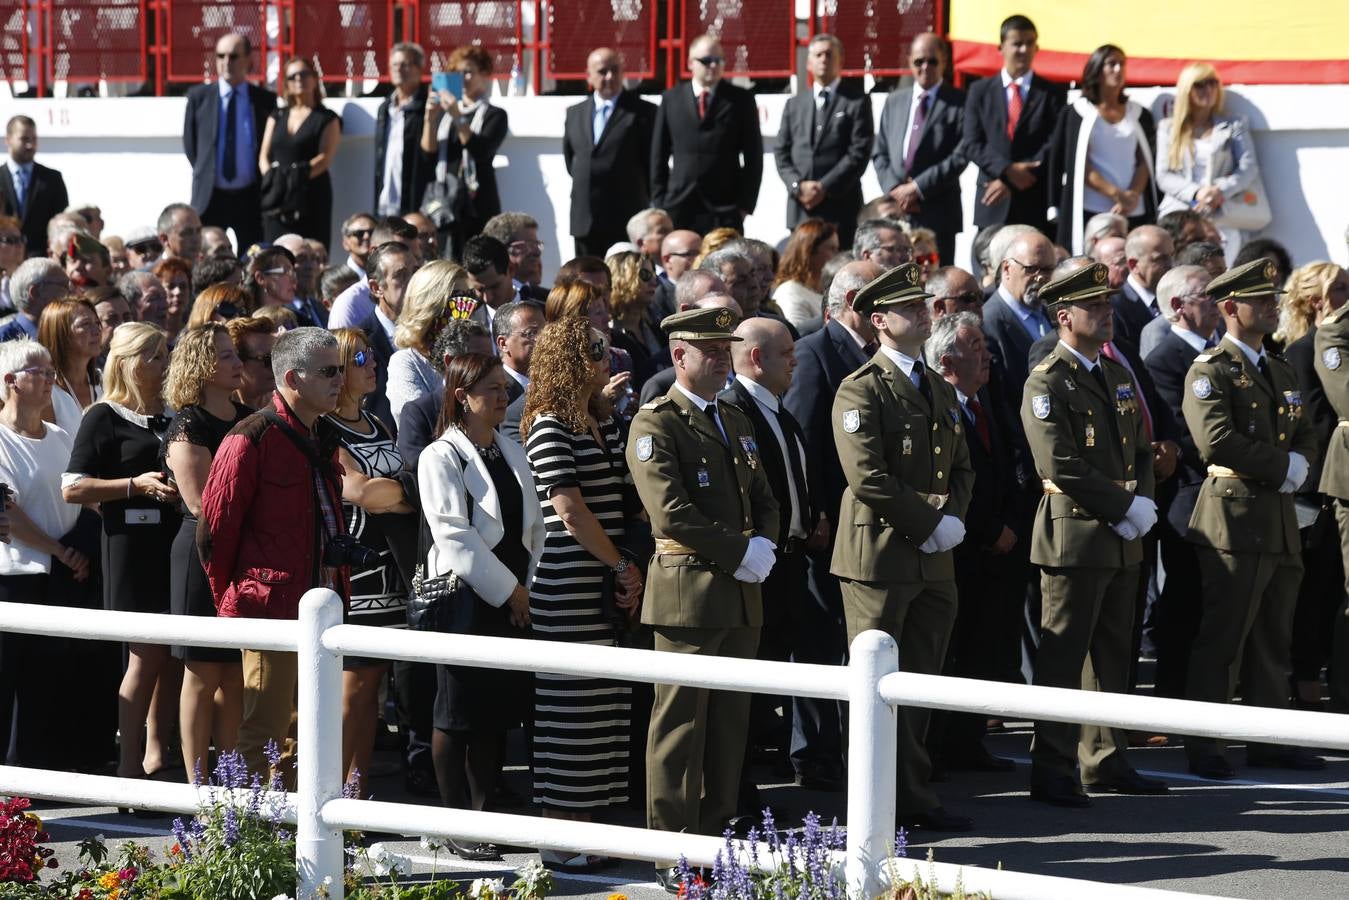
(1013, 108)
(702, 105)
(980, 423)
(1108, 348)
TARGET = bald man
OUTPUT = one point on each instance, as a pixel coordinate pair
(607, 148)
(1149, 253)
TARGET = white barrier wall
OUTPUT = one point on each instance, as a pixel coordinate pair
(125, 154)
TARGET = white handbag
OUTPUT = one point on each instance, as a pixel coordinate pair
(1247, 210)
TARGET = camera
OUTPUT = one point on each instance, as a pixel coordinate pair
(345, 550)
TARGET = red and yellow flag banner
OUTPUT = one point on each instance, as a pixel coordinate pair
(1248, 41)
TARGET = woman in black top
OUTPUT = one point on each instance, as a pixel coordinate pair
(115, 463)
(203, 372)
(301, 136)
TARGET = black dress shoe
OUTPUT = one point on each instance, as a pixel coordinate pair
(668, 877)
(1294, 758)
(1061, 791)
(1214, 767)
(478, 852)
(979, 760)
(935, 819)
(1130, 783)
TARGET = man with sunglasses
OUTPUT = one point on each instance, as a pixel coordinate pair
(607, 148)
(1013, 317)
(916, 155)
(357, 231)
(707, 158)
(222, 131)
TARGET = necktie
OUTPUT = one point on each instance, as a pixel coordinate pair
(1108, 348)
(791, 436)
(919, 117)
(602, 119)
(820, 108)
(1098, 372)
(1013, 108)
(21, 189)
(711, 410)
(1210, 343)
(920, 381)
(702, 105)
(228, 168)
(980, 423)
(871, 349)
(1263, 366)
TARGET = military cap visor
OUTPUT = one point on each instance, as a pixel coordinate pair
(1245, 282)
(715, 324)
(902, 284)
(1087, 283)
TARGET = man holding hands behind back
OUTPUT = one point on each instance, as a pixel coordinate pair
(898, 434)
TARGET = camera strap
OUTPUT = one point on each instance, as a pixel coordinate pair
(319, 464)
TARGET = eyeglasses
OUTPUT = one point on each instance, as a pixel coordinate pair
(299, 76)
(1199, 298)
(1205, 84)
(1032, 270)
(929, 258)
(973, 297)
(922, 61)
(326, 371)
(41, 372)
(685, 254)
(227, 311)
(645, 275)
(363, 358)
(529, 334)
(265, 359)
(229, 56)
(526, 247)
(146, 248)
(710, 61)
(360, 233)
(11, 240)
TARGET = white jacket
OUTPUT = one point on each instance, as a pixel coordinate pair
(464, 547)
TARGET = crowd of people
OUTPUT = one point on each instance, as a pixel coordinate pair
(1115, 431)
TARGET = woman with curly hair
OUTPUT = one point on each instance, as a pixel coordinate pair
(438, 292)
(796, 290)
(634, 287)
(1314, 291)
(583, 299)
(204, 372)
(575, 451)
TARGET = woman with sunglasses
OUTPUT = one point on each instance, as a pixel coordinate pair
(438, 292)
(378, 516)
(1204, 157)
(299, 142)
(219, 303)
(204, 372)
(634, 287)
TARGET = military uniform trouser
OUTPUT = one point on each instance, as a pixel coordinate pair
(1339, 648)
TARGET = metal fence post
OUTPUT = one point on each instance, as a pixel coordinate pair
(872, 748)
(318, 849)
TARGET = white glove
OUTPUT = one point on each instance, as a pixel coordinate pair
(1142, 515)
(1125, 529)
(949, 532)
(758, 561)
(744, 574)
(1297, 473)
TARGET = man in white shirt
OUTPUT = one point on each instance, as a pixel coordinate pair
(401, 172)
(1148, 252)
(1013, 317)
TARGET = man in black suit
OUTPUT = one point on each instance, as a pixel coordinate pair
(519, 233)
(1013, 318)
(710, 129)
(1148, 252)
(823, 360)
(677, 252)
(390, 267)
(402, 171)
(917, 154)
(1009, 121)
(29, 191)
(222, 131)
(607, 148)
(515, 329)
(824, 142)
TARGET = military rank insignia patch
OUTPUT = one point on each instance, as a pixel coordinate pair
(1202, 387)
(1331, 357)
(644, 448)
(852, 420)
(1039, 404)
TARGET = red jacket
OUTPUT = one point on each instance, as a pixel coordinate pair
(258, 535)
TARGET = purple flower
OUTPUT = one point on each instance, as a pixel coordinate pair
(352, 789)
(231, 826)
(770, 829)
(753, 838)
(901, 843)
(273, 754)
(180, 835)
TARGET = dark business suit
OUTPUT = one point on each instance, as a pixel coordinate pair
(46, 197)
(377, 402)
(510, 425)
(1132, 314)
(704, 173)
(609, 178)
(986, 145)
(417, 169)
(237, 209)
(831, 146)
(1010, 343)
(937, 161)
(823, 360)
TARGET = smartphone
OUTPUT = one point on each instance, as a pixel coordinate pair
(450, 82)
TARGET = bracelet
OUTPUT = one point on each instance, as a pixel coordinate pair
(129, 483)
(621, 566)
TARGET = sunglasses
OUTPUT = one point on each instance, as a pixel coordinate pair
(598, 348)
(144, 247)
(929, 258)
(363, 358)
(968, 297)
(11, 240)
(265, 359)
(645, 275)
(229, 56)
(299, 76)
(1206, 83)
(326, 371)
(227, 311)
(360, 233)
(710, 61)
(925, 61)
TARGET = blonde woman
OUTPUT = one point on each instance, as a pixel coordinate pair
(434, 295)
(299, 142)
(204, 372)
(116, 464)
(1204, 157)
(634, 287)
(1313, 292)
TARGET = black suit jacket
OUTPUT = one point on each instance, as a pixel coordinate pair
(200, 126)
(609, 179)
(377, 402)
(1167, 365)
(482, 148)
(717, 161)
(1131, 314)
(418, 169)
(834, 154)
(510, 426)
(1010, 343)
(46, 198)
(823, 360)
(938, 161)
(1302, 355)
(993, 503)
(658, 385)
(986, 145)
(419, 427)
(774, 466)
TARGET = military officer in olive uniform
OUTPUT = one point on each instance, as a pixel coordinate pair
(1332, 367)
(1244, 409)
(898, 434)
(1091, 450)
(696, 466)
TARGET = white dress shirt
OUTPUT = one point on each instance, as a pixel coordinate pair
(1148, 297)
(769, 405)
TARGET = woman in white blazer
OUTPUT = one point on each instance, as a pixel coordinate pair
(480, 505)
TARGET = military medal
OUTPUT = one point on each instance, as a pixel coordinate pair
(908, 445)
(1243, 380)
(1124, 398)
(703, 479)
(1294, 401)
(747, 444)
(1091, 435)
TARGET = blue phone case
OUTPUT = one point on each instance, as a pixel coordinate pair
(453, 82)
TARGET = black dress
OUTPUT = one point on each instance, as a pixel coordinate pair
(115, 443)
(314, 219)
(189, 591)
(477, 699)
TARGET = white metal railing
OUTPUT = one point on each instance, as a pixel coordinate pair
(871, 683)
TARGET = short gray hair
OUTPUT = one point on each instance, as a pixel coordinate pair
(1103, 224)
(695, 284)
(637, 228)
(1173, 284)
(843, 282)
(132, 285)
(868, 234)
(942, 341)
(1001, 244)
(410, 50)
(28, 273)
(831, 39)
(722, 255)
(19, 354)
(295, 349)
(454, 339)
(165, 221)
(504, 319)
(505, 226)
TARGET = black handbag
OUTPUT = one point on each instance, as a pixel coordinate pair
(440, 202)
(443, 603)
(284, 191)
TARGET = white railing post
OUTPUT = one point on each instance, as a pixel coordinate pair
(872, 748)
(318, 849)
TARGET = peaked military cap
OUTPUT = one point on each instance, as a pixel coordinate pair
(715, 324)
(902, 284)
(1253, 279)
(1087, 283)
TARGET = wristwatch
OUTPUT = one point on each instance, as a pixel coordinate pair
(621, 566)
(796, 189)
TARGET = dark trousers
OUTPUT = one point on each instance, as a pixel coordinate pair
(695, 215)
(414, 687)
(238, 210)
(1175, 616)
(1318, 600)
(821, 638)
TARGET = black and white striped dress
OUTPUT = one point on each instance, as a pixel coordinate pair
(580, 724)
